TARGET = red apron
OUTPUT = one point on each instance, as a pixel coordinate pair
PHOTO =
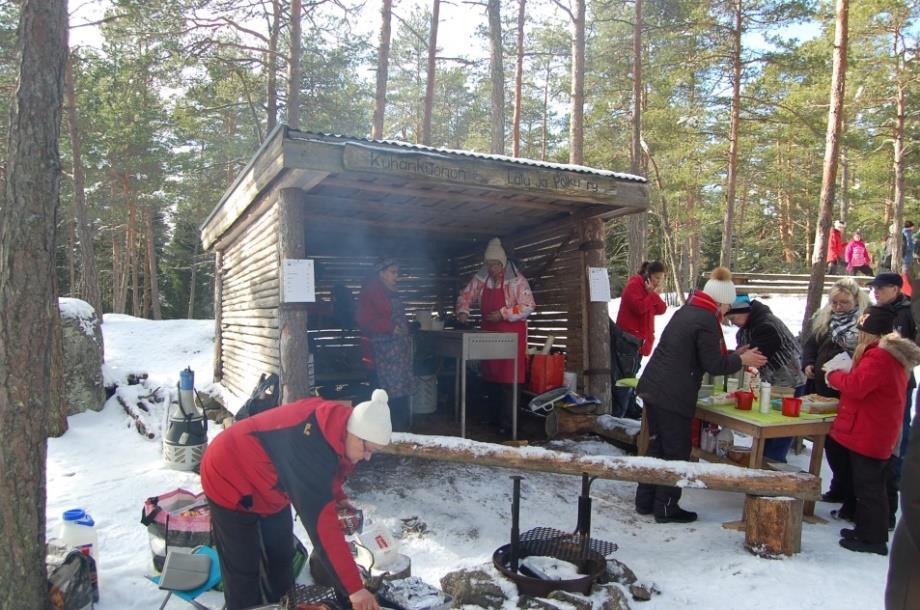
(502, 371)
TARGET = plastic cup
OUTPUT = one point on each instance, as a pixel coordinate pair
(744, 400)
(791, 406)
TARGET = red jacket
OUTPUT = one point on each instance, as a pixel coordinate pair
(294, 453)
(638, 309)
(872, 397)
(835, 246)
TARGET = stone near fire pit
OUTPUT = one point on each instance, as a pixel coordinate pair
(475, 587)
(82, 335)
(617, 571)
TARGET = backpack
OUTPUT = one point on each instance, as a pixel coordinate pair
(266, 395)
(624, 362)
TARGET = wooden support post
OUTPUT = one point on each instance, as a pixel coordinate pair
(218, 308)
(292, 317)
(597, 321)
(772, 525)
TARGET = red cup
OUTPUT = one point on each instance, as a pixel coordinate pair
(744, 400)
(791, 406)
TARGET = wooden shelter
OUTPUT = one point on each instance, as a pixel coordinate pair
(344, 201)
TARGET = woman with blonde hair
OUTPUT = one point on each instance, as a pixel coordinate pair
(831, 331)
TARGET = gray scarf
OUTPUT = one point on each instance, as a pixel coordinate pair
(843, 329)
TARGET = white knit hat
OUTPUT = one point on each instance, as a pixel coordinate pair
(371, 420)
(495, 252)
(720, 287)
(839, 225)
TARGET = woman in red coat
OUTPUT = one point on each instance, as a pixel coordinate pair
(868, 422)
(640, 303)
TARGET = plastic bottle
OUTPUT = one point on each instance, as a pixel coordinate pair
(77, 532)
(765, 396)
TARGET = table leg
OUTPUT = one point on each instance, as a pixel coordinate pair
(457, 389)
(642, 440)
(514, 400)
(757, 452)
(463, 399)
(814, 467)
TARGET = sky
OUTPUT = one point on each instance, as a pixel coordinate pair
(104, 466)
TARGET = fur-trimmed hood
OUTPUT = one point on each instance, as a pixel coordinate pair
(904, 350)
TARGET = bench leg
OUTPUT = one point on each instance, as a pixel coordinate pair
(772, 526)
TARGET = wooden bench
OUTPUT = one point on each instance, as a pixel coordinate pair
(772, 518)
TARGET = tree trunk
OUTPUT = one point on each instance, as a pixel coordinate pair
(577, 127)
(544, 132)
(497, 72)
(193, 282)
(89, 284)
(432, 65)
(638, 223)
(725, 257)
(295, 68)
(597, 320)
(28, 303)
(131, 255)
(272, 67)
(383, 67)
(518, 83)
(292, 317)
(152, 272)
(897, 252)
(119, 285)
(831, 149)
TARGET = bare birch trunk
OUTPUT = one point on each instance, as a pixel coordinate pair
(725, 256)
(497, 72)
(518, 83)
(295, 67)
(638, 223)
(831, 150)
(29, 318)
(432, 65)
(89, 284)
(383, 67)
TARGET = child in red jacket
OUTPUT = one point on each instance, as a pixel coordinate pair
(866, 429)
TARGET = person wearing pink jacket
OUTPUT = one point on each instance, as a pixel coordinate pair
(857, 256)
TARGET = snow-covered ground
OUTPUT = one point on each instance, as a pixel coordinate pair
(103, 465)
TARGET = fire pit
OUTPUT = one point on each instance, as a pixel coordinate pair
(575, 559)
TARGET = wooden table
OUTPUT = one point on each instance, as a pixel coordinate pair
(760, 427)
(466, 345)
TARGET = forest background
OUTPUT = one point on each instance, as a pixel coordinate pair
(176, 95)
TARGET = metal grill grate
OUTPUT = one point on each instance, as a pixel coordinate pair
(310, 595)
(567, 546)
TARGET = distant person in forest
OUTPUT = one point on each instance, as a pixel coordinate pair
(857, 255)
(907, 248)
(835, 247)
(640, 303)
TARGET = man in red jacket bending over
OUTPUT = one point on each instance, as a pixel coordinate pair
(299, 453)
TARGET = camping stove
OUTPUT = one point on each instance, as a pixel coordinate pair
(586, 555)
(186, 435)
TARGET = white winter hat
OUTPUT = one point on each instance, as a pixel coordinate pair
(495, 252)
(839, 225)
(371, 420)
(720, 287)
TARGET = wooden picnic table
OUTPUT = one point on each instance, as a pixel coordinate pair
(760, 427)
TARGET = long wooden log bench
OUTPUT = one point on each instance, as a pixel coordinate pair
(773, 503)
(783, 283)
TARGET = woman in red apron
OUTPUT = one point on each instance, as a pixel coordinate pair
(505, 301)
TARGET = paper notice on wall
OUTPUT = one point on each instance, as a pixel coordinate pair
(598, 284)
(297, 281)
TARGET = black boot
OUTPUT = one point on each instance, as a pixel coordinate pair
(859, 546)
(676, 515)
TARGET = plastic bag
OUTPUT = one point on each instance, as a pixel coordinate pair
(178, 519)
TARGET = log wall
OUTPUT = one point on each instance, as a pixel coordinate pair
(250, 294)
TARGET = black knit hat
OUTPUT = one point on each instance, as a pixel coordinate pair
(877, 320)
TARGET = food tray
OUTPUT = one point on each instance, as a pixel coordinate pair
(719, 399)
(819, 405)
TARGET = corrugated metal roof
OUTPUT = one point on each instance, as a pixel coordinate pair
(581, 169)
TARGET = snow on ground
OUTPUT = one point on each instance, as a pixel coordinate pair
(103, 465)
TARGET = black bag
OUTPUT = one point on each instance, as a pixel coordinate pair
(267, 394)
(72, 582)
(624, 362)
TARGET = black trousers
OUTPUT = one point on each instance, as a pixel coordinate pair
(255, 552)
(669, 439)
(862, 481)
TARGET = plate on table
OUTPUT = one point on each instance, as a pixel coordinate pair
(814, 403)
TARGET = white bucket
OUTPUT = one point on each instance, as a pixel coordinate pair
(425, 398)
(383, 546)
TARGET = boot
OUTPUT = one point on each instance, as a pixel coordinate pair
(860, 546)
(677, 515)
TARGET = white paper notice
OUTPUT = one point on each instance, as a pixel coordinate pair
(598, 284)
(297, 281)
